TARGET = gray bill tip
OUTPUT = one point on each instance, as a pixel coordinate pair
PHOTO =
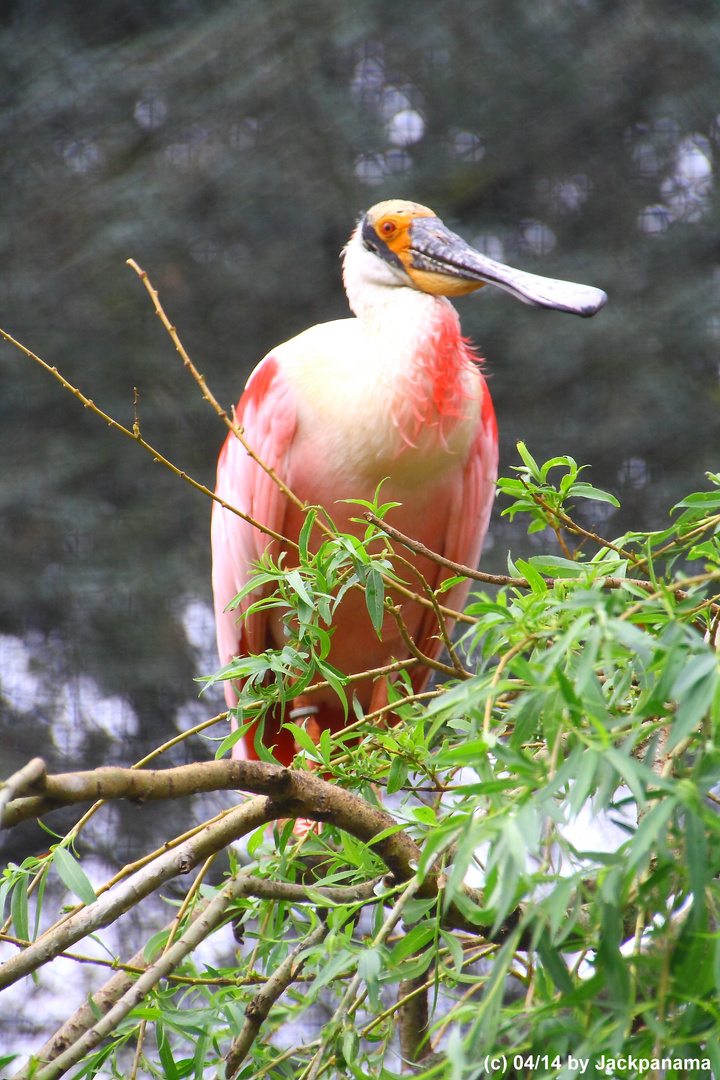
(538, 291)
(582, 300)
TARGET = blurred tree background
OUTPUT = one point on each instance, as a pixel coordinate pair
(228, 147)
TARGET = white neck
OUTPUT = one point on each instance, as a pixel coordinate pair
(384, 298)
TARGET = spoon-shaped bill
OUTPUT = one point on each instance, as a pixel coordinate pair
(435, 249)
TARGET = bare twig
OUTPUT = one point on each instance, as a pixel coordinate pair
(157, 456)
(603, 582)
(656, 594)
(430, 594)
(457, 568)
(572, 526)
(700, 528)
(138, 1049)
(421, 657)
(132, 967)
(208, 396)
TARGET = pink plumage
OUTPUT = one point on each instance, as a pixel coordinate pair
(393, 394)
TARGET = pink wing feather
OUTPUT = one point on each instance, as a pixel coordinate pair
(266, 411)
(471, 511)
(467, 525)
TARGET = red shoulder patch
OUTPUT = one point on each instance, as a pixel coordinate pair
(257, 385)
(489, 422)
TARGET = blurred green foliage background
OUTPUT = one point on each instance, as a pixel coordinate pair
(228, 147)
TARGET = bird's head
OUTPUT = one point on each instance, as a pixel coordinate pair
(400, 243)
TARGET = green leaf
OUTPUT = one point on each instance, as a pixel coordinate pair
(350, 1044)
(705, 500)
(455, 949)
(303, 740)
(630, 770)
(330, 971)
(200, 1055)
(154, 944)
(412, 942)
(696, 858)
(716, 966)
(94, 1007)
(694, 689)
(390, 831)
(466, 753)
(529, 462)
(554, 964)
(375, 598)
(707, 550)
(609, 957)
(4, 892)
(712, 1047)
(305, 533)
(336, 679)
(536, 582)
(40, 893)
(166, 1054)
(369, 968)
(73, 876)
(649, 830)
(326, 745)
(233, 738)
(699, 667)
(587, 491)
(19, 909)
(294, 579)
(256, 840)
(397, 775)
(555, 566)
(583, 781)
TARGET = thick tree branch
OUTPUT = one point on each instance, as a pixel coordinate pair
(246, 818)
(20, 781)
(292, 793)
(202, 927)
(142, 785)
(413, 1020)
(258, 1009)
(101, 1001)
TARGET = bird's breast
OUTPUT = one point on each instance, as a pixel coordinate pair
(369, 407)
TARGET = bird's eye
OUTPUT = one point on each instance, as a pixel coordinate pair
(388, 228)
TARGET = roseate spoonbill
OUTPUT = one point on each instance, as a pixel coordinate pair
(395, 393)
